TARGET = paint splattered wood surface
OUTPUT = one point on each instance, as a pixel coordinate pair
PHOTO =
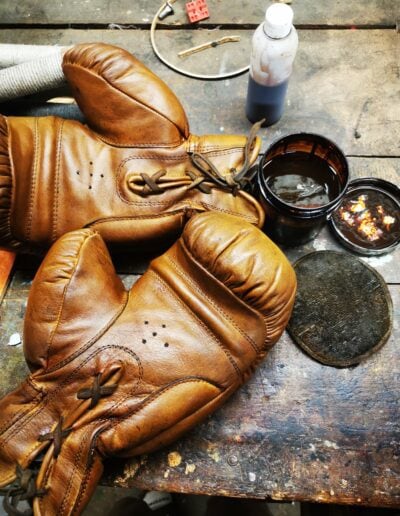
(298, 430)
(376, 13)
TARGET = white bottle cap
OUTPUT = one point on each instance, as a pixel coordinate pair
(278, 21)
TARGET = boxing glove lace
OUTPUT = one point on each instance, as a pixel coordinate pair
(134, 173)
(118, 373)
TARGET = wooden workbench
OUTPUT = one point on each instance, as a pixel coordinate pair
(298, 430)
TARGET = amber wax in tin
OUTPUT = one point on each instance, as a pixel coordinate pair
(368, 218)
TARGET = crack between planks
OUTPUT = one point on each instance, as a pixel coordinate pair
(375, 156)
(187, 26)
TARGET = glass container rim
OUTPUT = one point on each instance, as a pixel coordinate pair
(298, 210)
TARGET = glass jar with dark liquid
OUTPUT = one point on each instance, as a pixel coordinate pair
(301, 179)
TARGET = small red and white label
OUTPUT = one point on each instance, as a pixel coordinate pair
(197, 10)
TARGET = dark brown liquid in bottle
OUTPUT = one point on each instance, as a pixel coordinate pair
(265, 101)
(302, 179)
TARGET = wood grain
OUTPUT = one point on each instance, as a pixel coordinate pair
(336, 89)
(330, 12)
(298, 430)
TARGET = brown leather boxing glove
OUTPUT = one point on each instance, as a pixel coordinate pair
(117, 373)
(134, 174)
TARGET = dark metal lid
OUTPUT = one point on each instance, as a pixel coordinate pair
(343, 310)
(367, 221)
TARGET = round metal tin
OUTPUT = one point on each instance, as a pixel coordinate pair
(343, 310)
(367, 221)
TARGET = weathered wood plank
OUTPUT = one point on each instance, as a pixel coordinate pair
(329, 12)
(297, 430)
(336, 89)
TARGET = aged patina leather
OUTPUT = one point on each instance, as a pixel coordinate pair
(120, 373)
(135, 173)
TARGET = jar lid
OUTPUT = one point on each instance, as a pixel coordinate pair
(343, 311)
(367, 221)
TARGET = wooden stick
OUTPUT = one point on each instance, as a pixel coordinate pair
(7, 259)
(209, 44)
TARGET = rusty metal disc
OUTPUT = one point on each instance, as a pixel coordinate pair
(343, 311)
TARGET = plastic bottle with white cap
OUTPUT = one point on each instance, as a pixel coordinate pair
(274, 47)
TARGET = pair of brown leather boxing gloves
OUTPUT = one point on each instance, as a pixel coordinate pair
(118, 372)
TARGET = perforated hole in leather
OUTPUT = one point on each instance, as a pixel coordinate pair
(155, 334)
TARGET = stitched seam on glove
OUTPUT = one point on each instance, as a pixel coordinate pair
(57, 181)
(161, 115)
(33, 185)
(69, 380)
(67, 284)
(216, 149)
(216, 307)
(90, 357)
(65, 291)
(77, 460)
(84, 485)
(211, 207)
(153, 396)
(82, 488)
(44, 482)
(278, 311)
(204, 411)
(93, 340)
(267, 340)
(7, 191)
(11, 423)
(118, 144)
(137, 217)
(217, 152)
(252, 367)
(168, 290)
(20, 415)
(168, 214)
(86, 346)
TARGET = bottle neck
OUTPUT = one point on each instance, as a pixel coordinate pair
(272, 37)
